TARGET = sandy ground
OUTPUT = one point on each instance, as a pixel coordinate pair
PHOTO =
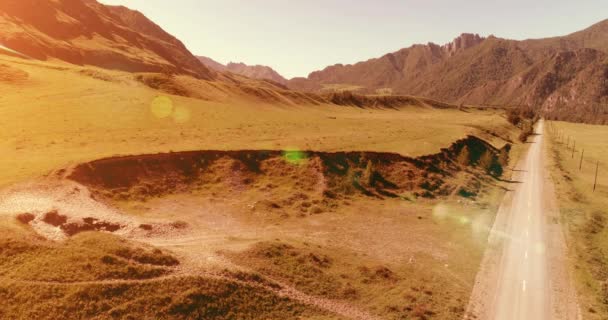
(524, 274)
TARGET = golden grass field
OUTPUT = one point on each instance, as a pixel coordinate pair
(583, 210)
(240, 256)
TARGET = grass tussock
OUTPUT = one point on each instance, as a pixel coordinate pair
(85, 257)
(183, 298)
(390, 291)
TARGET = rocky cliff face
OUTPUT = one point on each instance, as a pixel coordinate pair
(463, 42)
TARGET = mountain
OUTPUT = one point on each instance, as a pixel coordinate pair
(254, 72)
(212, 64)
(86, 32)
(564, 77)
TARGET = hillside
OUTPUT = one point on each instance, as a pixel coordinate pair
(254, 72)
(89, 33)
(565, 77)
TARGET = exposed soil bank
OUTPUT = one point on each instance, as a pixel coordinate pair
(328, 174)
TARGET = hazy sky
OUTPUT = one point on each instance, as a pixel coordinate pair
(296, 37)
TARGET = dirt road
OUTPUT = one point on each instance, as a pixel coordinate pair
(524, 274)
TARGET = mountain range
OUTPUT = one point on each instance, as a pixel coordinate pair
(565, 77)
(255, 71)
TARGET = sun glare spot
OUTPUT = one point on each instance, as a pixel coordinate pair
(464, 220)
(539, 247)
(181, 114)
(294, 156)
(161, 107)
(440, 211)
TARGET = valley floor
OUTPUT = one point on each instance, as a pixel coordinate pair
(303, 211)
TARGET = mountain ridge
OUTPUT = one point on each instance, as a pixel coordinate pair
(257, 71)
(560, 76)
(86, 32)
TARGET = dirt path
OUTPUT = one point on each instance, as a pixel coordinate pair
(72, 199)
(524, 274)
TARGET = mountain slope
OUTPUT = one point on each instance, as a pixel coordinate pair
(565, 77)
(254, 72)
(87, 32)
(212, 64)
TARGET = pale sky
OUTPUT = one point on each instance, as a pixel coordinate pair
(296, 37)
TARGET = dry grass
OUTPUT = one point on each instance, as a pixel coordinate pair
(583, 210)
(50, 124)
(395, 257)
(97, 276)
(411, 290)
(86, 257)
(339, 87)
(183, 298)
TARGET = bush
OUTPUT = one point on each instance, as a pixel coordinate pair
(486, 160)
(368, 175)
(514, 117)
(526, 132)
(464, 157)
(490, 164)
(528, 113)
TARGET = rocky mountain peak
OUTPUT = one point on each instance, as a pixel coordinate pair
(463, 42)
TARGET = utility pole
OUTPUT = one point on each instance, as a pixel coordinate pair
(580, 166)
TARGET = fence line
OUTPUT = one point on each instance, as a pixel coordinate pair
(560, 137)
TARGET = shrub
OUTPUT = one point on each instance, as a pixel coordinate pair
(528, 113)
(513, 117)
(368, 175)
(490, 164)
(464, 157)
(503, 157)
(526, 132)
(486, 161)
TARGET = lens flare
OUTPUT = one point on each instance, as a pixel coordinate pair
(294, 156)
(181, 114)
(481, 225)
(161, 107)
(464, 220)
(539, 247)
(440, 211)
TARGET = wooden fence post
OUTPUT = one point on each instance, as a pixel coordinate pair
(580, 166)
(597, 166)
(573, 148)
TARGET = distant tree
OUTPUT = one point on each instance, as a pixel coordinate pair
(527, 131)
(528, 112)
(514, 117)
(489, 163)
(464, 156)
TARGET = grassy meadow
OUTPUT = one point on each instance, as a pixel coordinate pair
(583, 210)
(424, 253)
